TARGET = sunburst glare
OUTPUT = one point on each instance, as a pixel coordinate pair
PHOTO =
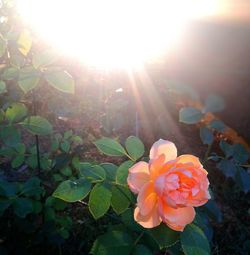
(112, 33)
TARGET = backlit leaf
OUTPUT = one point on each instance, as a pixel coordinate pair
(28, 78)
(15, 112)
(134, 147)
(110, 147)
(99, 200)
(61, 80)
(206, 135)
(243, 179)
(44, 58)
(190, 115)
(24, 42)
(3, 46)
(2, 87)
(214, 103)
(227, 167)
(120, 200)
(122, 172)
(72, 191)
(92, 173)
(37, 125)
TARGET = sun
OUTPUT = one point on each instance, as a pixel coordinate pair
(111, 33)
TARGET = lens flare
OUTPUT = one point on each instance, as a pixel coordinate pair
(112, 33)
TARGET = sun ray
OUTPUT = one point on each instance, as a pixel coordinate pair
(112, 33)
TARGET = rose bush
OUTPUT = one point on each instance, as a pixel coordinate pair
(168, 187)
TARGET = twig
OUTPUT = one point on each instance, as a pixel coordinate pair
(36, 137)
(207, 153)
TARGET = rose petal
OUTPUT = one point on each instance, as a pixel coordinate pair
(163, 147)
(150, 221)
(200, 199)
(156, 166)
(178, 218)
(146, 199)
(187, 158)
(138, 175)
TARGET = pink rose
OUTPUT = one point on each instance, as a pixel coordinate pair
(168, 187)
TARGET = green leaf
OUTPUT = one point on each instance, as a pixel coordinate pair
(110, 170)
(65, 146)
(183, 89)
(214, 103)
(32, 187)
(99, 200)
(3, 45)
(190, 115)
(57, 177)
(227, 167)
(122, 172)
(141, 249)
(17, 59)
(92, 173)
(61, 80)
(110, 147)
(240, 154)
(66, 171)
(176, 249)
(10, 73)
(20, 148)
(61, 160)
(128, 220)
(37, 125)
(226, 148)
(67, 134)
(37, 206)
(45, 162)
(134, 147)
(164, 236)
(54, 145)
(28, 78)
(31, 161)
(194, 242)
(202, 221)
(24, 42)
(10, 135)
(15, 112)
(22, 207)
(72, 191)
(206, 135)
(213, 210)
(76, 162)
(17, 161)
(2, 87)
(113, 243)
(217, 125)
(76, 139)
(49, 214)
(2, 115)
(120, 200)
(243, 179)
(8, 189)
(44, 58)
(56, 203)
(64, 233)
(4, 204)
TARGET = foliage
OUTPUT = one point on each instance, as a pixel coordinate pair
(52, 192)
